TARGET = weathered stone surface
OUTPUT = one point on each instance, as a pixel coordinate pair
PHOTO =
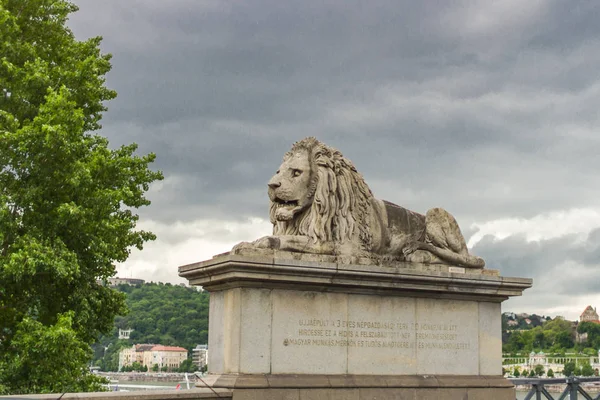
(255, 342)
(447, 341)
(413, 387)
(320, 204)
(307, 381)
(329, 394)
(490, 339)
(267, 394)
(305, 332)
(383, 360)
(404, 279)
(487, 394)
(292, 310)
(216, 324)
(387, 394)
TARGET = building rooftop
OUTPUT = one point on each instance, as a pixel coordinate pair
(168, 348)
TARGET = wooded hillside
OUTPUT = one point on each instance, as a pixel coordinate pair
(159, 313)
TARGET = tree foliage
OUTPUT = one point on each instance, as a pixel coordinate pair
(593, 331)
(66, 198)
(587, 369)
(553, 336)
(569, 368)
(35, 343)
(538, 370)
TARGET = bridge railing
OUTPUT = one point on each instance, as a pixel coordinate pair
(572, 390)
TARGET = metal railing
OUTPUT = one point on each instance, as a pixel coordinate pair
(571, 392)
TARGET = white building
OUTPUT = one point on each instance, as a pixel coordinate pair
(124, 333)
(200, 355)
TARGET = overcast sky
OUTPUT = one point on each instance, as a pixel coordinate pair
(489, 109)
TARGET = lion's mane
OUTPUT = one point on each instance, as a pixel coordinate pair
(340, 199)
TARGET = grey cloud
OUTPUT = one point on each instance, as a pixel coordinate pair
(563, 269)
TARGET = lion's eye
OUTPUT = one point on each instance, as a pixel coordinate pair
(296, 172)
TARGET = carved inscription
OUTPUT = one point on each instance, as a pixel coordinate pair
(380, 334)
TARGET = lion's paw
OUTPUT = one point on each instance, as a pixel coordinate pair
(410, 248)
(267, 242)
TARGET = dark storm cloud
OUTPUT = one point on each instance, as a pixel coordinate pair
(486, 108)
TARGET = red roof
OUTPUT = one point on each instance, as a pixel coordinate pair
(168, 348)
(588, 310)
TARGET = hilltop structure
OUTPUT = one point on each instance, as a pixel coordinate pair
(112, 282)
(589, 315)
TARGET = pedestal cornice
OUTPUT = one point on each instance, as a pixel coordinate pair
(281, 270)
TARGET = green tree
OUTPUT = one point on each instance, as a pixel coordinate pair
(34, 343)
(539, 338)
(550, 373)
(516, 372)
(136, 366)
(155, 368)
(532, 374)
(187, 365)
(539, 370)
(66, 198)
(569, 368)
(587, 370)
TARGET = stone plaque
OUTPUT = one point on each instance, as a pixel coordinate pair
(335, 333)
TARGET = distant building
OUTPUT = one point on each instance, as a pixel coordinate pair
(589, 315)
(124, 333)
(132, 354)
(126, 357)
(200, 356)
(165, 356)
(125, 281)
(150, 354)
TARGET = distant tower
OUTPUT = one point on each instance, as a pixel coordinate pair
(589, 315)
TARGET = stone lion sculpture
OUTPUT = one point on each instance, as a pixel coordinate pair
(320, 204)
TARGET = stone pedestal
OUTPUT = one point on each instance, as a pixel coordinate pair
(304, 327)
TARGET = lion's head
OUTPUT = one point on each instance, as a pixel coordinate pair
(318, 193)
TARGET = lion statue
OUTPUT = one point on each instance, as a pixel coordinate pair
(320, 204)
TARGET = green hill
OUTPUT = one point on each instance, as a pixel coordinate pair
(158, 313)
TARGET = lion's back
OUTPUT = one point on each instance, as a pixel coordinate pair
(404, 222)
